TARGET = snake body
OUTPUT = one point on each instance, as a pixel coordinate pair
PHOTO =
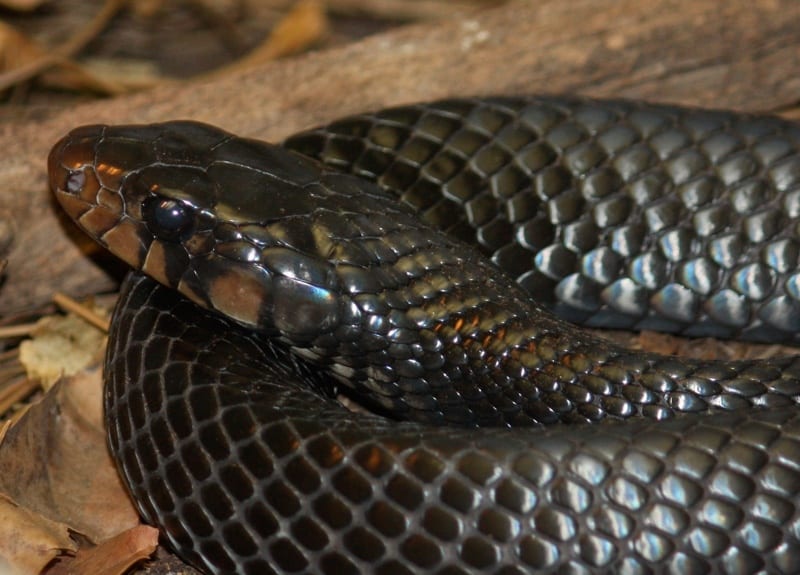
(293, 282)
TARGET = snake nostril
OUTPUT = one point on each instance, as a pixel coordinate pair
(75, 182)
(69, 158)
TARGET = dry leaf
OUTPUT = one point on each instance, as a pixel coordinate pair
(16, 49)
(305, 25)
(68, 75)
(28, 541)
(299, 29)
(130, 74)
(21, 58)
(113, 556)
(54, 461)
(61, 345)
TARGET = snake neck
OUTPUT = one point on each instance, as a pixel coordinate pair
(437, 334)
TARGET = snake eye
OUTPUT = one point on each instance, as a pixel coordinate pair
(168, 219)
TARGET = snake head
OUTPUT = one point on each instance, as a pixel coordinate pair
(132, 186)
(139, 191)
(242, 227)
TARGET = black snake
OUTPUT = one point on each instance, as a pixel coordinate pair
(318, 283)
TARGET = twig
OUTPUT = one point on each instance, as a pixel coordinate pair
(70, 305)
(10, 371)
(19, 330)
(16, 392)
(9, 354)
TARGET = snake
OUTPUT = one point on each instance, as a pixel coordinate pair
(343, 354)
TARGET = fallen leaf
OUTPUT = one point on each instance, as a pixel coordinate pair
(128, 74)
(54, 461)
(28, 541)
(60, 345)
(21, 58)
(16, 48)
(113, 556)
(305, 25)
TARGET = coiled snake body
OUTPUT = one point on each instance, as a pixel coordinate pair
(313, 283)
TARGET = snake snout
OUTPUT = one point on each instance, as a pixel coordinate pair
(75, 179)
(72, 153)
(70, 169)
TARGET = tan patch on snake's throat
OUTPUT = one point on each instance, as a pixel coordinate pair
(193, 295)
(239, 295)
(125, 242)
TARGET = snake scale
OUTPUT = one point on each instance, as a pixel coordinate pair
(490, 437)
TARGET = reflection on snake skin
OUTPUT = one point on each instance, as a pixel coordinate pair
(223, 422)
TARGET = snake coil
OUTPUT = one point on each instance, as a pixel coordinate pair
(294, 282)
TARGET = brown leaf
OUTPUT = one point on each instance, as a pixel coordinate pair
(113, 556)
(28, 541)
(54, 461)
(305, 25)
(21, 58)
(16, 49)
(60, 345)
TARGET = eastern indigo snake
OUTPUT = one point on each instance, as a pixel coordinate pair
(225, 428)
